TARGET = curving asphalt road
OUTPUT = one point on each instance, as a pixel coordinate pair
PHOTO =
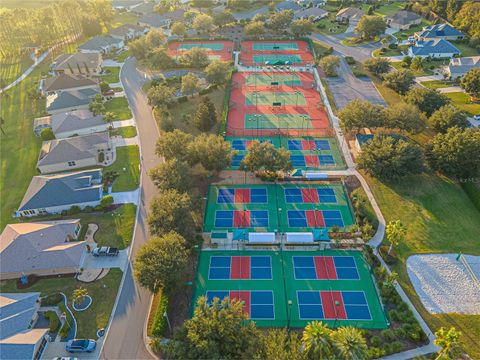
(126, 333)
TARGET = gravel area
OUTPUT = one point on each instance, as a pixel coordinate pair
(444, 285)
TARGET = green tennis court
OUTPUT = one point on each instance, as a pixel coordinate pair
(272, 80)
(207, 46)
(281, 288)
(277, 121)
(274, 46)
(271, 98)
(277, 59)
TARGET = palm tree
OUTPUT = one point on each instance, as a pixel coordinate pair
(448, 340)
(317, 341)
(396, 233)
(349, 344)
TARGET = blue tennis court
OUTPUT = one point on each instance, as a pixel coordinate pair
(302, 145)
(258, 304)
(237, 159)
(240, 267)
(243, 144)
(310, 195)
(326, 160)
(242, 196)
(241, 218)
(325, 268)
(333, 218)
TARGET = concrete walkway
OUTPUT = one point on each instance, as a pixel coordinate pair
(123, 123)
(106, 262)
(450, 89)
(420, 79)
(119, 141)
(125, 197)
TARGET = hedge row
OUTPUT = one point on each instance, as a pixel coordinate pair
(159, 321)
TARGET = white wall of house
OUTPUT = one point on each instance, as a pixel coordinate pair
(57, 209)
(85, 131)
(433, 55)
(398, 26)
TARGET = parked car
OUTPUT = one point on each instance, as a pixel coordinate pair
(65, 358)
(477, 117)
(105, 251)
(81, 345)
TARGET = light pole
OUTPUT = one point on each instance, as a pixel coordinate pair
(290, 303)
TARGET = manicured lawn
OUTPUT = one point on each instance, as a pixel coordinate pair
(328, 25)
(440, 218)
(119, 106)
(124, 18)
(127, 166)
(320, 49)
(103, 293)
(125, 132)
(388, 52)
(389, 95)
(112, 76)
(10, 71)
(465, 49)
(403, 35)
(389, 9)
(464, 103)
(353, 41)
(427, 66)
(437, 84)
(122, 56)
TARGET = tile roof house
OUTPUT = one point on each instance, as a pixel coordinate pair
(70, 100)
(63, 82)
(101, 44)
(87, 64)
(436, 48)
(460, 66)
(313, 13)
(403, 19)
(73, 153)
(128, 31)
(52, 194)
(155, 21)
(440, 31)
(351, 15)
(41, 248)
(78, 122)
(18, 315)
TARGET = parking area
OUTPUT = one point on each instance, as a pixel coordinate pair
(106, 262)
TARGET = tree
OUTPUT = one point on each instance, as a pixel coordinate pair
(427, 100)
(317, 341)
(453, 6)
(471, 82)
(195, 57)
(280, 21)
(370, 26)
(161, 262)
(109, 117)
(104, 86)
(47, 134)
(278, 344)
(96, 105)
(399, 80)
(330, 64)
(161, 95)
(449, 341)
(456, 153)
(101, 9)
(154, 38)
(447, 117)
(171, 211)
(223, 18)
(216, 72)
(79, 294)
(212, 152)
(301, 27)
(202, 3)
(377, 66)
(159, 59)
(405, 117)
(190, 84)
(172, 174)
(173, 145)
(254, 28)
(138, 48)
(216, 331)
(396, 233)
(178, 28)
(349, 343)
(206, 115)
(203, 23)
(106, 201)
(416, 64)
(467, 18)
(91, 25)
(390, 159)
(358, 114)
(264, 157)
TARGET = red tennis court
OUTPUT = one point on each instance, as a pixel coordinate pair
(276, 52)
(221, 50)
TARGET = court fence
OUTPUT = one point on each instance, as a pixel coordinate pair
(226, 103)
(326, 132)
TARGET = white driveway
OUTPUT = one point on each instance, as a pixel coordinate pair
(428, 78)
(110, 62)
(125, 197)
(450, 89)
(123, 123)
(106, 262)
(119, 141)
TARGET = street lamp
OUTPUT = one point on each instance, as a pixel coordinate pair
(290, 303)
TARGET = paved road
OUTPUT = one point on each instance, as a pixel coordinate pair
(360, 52)
(347, 87)
(125, 339)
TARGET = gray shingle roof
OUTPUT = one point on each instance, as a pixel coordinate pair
(351, 13)
(287, 5)
(154, 20)
(124, 29)
(97, 43)
(91, 60)
(70, 98)
(144, 8)
(67, 81)
(75, 120)
(29, 247)
(62, 189)
(16, 310)
(72, 149)
(313, 11)
(436, 46)
(439, 30)
(404, 17)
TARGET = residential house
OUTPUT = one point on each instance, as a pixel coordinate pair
(349, 15)
(287, 5)
(41, 249)
(312, 13)
(52, 194)
(244, 15)
(313, 3)
(403, 20)
(125, 4)
(70, 100)
(128, 32)
(460, 66)
(87, 64)
(73, 123)
(439, 31)
(19, 337)
(436, 48)
(143, 8)
(154, 21)
(74, 152)
(62, 82)
(102, 44)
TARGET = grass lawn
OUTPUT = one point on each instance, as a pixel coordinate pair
(329, 25)
(404, 34)
(122, 56)
(464, 103)
(353, 41)
(427, 67)
(388, 52)
(437, 84)
(112, 76)
(10, 71)
(465, 49)
(103, 293)
(125, 132)
(119, 106)
(440, 218)
(389, 95)
(320, 49)
(389, 9)
(124, 18)
(127, 165)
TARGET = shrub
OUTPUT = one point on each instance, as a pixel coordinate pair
(98, 208)
(106, 201)
(101, 157)
(167, 124)
(393, 46)
(350, 60)
(73, 210)
(182, 99)
(54, 321)
(88, 209)
(159, 322)
(375, 353)
(51, 300)
(375, 341)
(400, 333)
(387, 335)
(47, 134)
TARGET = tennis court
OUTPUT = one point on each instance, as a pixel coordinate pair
(268, 80)
(285, 52)
(275, 46)
(276, 121)
(277, 59)
(275, 98)
(206, 46)
(216, 50)
(272, 79)
(266, 282)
